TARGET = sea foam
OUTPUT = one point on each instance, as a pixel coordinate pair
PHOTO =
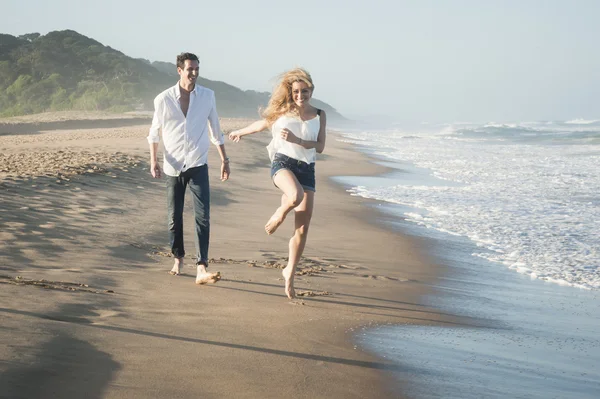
(527, 195)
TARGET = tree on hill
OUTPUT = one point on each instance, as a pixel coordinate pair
(66, 70)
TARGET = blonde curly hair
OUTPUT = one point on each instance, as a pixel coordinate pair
(281, 101)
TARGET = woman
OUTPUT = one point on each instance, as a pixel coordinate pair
(298, 134)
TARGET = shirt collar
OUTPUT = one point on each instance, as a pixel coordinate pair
(178, 90)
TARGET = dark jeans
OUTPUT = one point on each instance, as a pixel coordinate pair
(197, 179)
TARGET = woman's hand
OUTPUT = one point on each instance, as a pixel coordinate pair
(235, 136)
(290, 137)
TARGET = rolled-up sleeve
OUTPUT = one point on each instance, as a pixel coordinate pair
(153, 135)
(216, 135)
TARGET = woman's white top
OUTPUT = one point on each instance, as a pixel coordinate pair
(306, 130)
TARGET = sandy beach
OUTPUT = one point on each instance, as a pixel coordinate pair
(89, 310)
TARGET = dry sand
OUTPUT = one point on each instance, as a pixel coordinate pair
(89, 310)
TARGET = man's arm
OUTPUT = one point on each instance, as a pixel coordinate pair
(216, 136)
(153, 140)
(154, 168)
(224, 162)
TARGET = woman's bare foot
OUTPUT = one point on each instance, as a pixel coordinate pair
(288, 275)
(204, 277)
(177, 267)
(275, 221)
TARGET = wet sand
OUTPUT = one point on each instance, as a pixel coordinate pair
(89, 309)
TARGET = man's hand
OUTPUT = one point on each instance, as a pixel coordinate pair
(224, 171)
(155, 170)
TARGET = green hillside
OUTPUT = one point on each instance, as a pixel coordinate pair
(65, 70)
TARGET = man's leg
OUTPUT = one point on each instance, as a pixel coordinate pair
(175, 196)
(200, 188)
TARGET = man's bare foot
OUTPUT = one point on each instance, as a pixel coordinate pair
(274, 222)
(204, 277)
(177, 267)
(288, 275)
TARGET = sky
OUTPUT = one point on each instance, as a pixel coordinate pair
(397, 60)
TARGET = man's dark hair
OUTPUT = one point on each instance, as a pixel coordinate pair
(181, 58)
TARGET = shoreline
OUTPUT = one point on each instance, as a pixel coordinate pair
(355, 272)
(524, 332)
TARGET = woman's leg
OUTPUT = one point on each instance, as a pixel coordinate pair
(298, 241)
(293, 194)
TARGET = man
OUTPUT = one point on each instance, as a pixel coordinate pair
(187, 115)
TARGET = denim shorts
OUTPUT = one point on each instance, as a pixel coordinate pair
(304, 172)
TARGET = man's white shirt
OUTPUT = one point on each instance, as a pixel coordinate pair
(185, 139)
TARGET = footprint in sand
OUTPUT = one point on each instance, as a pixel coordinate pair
(14, 225)
(68, 270)
(309, 271)
(349, 267)
(104, 313)
(312, 293)
(152, 249)
(47, 284)
(6, 236)
(329, 262)
(375, 277)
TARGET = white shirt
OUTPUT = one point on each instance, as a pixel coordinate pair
(186, 139)
(306, 130)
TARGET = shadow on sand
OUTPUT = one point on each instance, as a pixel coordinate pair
(65, 367)
(82, 321)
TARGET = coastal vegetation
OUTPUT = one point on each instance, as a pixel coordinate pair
(64, 70)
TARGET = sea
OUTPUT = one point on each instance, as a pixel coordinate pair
(512, 212)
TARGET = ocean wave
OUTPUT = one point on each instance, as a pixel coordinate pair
(527, 131)
(580, 121)
(532, 207)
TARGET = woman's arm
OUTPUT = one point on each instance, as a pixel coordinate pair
(318, 145)
(255, 127)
